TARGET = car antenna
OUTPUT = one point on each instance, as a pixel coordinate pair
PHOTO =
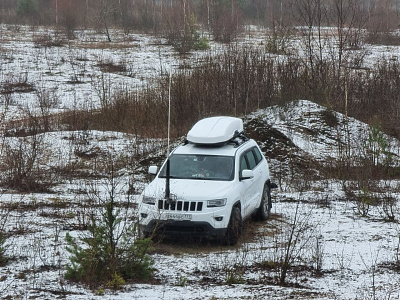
(167, 188)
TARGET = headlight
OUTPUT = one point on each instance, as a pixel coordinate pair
(216, 202)
(149, 200)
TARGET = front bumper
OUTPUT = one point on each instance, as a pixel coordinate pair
(183, 217)
(176, 228)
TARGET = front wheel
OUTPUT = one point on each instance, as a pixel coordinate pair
(235, 227)
(265, 206)
(143, 234)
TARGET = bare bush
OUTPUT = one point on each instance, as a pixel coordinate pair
(104, 14)
(382, 20)
(181, 30)
(111, 67)
(47, 100)
(377, 92)
(226, 22)
(103, 88)
(296, 246)
(3, 257)
(383, 38)
(16, 84)
(362, 196)
(278, 41)
(239, 81)
(140, 113)
(389, 205)
(22, 166)
(46, 41)
(4, 214)
(68, 17)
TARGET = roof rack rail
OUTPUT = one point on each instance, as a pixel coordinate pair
(238, 139)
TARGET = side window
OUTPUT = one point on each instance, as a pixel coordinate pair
(258, 154)
(243, 164)
(251, 159)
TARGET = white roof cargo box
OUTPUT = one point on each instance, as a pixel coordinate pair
(215, 130)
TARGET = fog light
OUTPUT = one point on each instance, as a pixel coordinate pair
(218, 218)
(144, 216)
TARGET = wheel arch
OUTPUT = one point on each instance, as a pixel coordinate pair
(237, 204)
(271, 185)
(268, 182)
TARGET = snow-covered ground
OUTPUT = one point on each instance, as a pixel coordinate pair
(351, 253)
(74, 74)
(339, 254)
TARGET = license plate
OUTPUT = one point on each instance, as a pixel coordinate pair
(178, 217)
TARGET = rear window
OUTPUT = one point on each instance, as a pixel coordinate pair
(258, 154)
(251, 160)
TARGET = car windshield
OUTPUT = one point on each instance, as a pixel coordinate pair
(205, 167)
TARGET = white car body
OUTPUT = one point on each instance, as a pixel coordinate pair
(203, 203)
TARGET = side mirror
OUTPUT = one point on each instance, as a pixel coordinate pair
(153, 170)
(247, 174)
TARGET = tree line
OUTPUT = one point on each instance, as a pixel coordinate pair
(153, 15)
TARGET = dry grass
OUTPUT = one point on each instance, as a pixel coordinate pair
(106, 45)
(111, 67)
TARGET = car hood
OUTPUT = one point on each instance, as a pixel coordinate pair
(187, 189)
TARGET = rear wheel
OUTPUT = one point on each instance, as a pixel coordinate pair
(235, 227)
(265, 206)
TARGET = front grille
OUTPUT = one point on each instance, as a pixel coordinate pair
(180, 205)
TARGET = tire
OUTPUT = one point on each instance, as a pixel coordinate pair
(143, 234)
(235, 227)
(264, 210)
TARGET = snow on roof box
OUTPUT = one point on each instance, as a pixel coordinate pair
(215, 130)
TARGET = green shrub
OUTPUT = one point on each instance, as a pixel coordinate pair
(376, 145)
(136, 263)
(109, 252)
(183, 34)
(202, 44)
(100, 262)
(116, 282)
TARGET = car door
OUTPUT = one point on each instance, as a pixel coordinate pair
(250, 191)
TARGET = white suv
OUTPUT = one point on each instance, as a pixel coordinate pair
(217, 178)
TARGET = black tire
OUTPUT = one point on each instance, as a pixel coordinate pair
(143, 234)
(235, 227)
(265, 206)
